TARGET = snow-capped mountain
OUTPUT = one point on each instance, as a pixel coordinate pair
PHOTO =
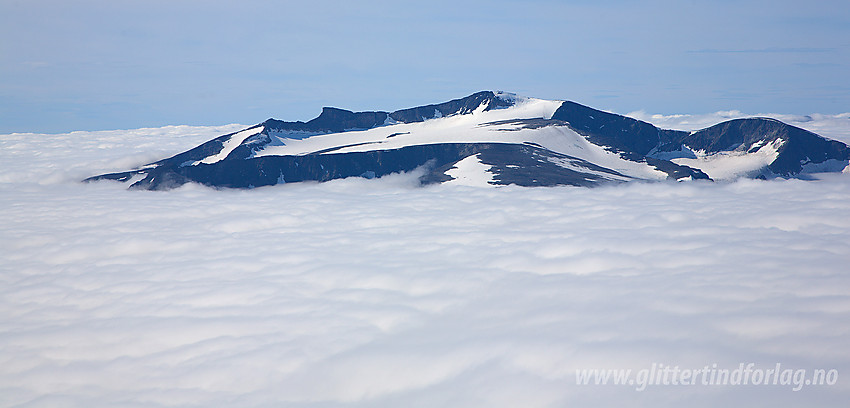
(492, 138)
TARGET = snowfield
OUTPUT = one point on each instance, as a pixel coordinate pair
(378, 293)
(454, 129)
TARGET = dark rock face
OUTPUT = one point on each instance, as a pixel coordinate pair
(803, 147)
(730, 135)
(631, 137)
(524, 164)
(332, 120)
(453, 107)
(531, 166)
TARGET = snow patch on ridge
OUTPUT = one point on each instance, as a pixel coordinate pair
(291, 134)
(573, 165)
(230, 145)
(471, 172)
(732, 164)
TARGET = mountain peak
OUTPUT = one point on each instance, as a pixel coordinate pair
(486, 99)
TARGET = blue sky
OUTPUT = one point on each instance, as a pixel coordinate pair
(90, 65)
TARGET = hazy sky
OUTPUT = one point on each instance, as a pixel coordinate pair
(88, 65)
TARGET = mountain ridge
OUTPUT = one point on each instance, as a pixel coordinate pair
(514, 139)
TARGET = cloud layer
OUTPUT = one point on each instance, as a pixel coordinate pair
(375, 293)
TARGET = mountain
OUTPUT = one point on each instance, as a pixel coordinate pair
(492, 138)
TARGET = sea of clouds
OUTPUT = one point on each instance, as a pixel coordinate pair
(357, 293)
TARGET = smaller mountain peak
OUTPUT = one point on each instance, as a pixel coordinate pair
(330, 110)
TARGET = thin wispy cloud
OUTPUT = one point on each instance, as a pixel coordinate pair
(770, 50)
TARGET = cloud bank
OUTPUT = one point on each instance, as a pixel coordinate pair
(357, 293)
